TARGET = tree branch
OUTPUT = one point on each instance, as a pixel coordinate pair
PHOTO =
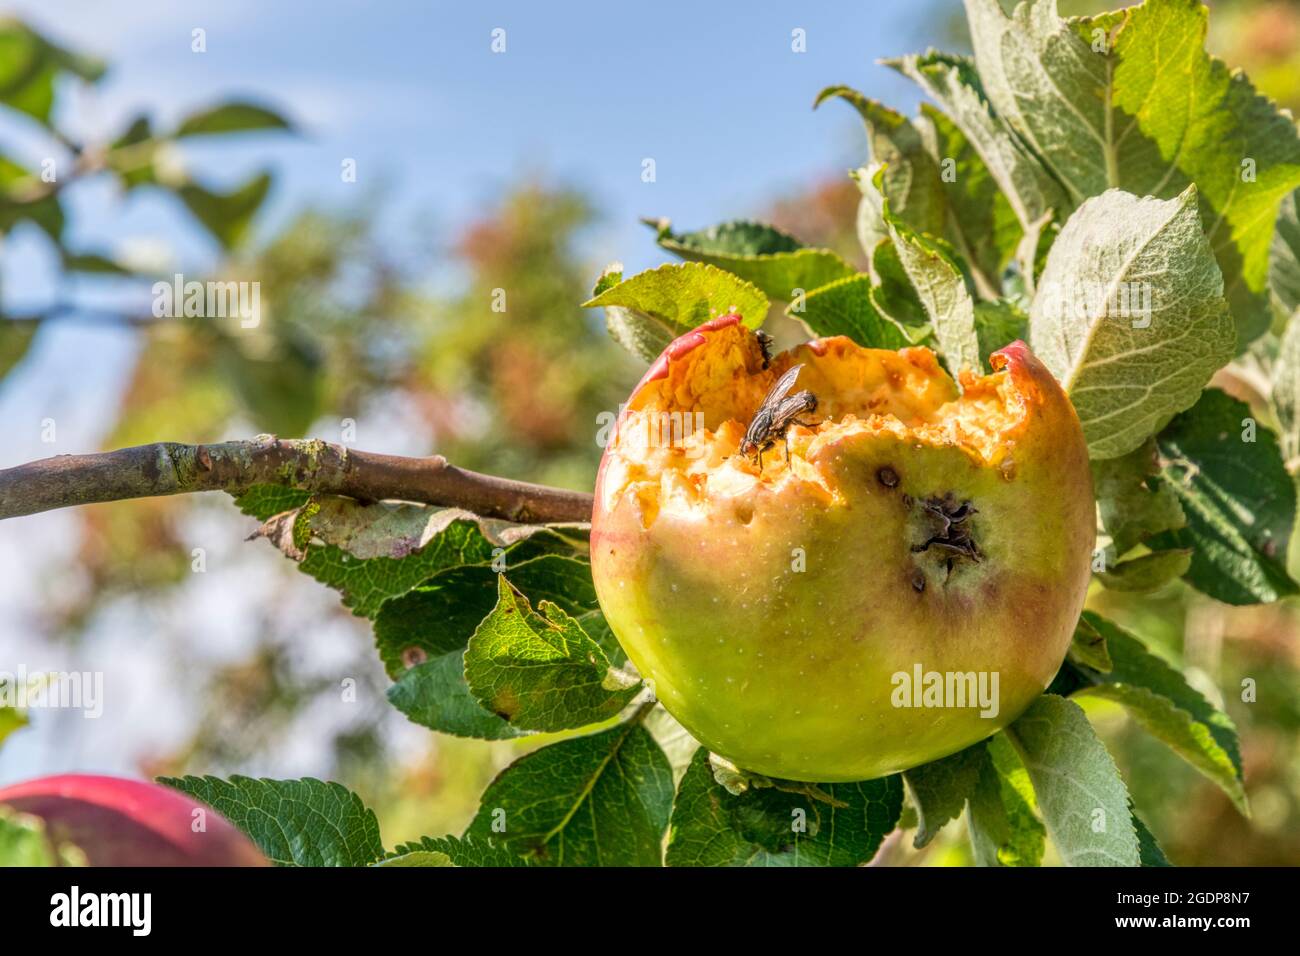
(171, 468)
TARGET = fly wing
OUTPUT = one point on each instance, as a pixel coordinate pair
(791, 406)
(781, 388)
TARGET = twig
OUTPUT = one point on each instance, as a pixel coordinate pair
(170, 468)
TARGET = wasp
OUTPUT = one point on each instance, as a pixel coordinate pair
(777, 412)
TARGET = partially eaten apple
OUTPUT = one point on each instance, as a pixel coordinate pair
(896, 577)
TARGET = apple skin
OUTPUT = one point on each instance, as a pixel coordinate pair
(116, 821)
(790, 674)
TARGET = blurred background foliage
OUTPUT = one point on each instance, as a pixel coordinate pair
(352, 332)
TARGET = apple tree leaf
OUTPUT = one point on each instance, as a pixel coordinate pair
(940, 789)
(649, 310)
(1228, 474)
(840, 824)
(457, 851)
(1080, 794)
(1129, 315)
(1284, 259)
(979, 221)
(910, 183)
(941, 287)
(303, 822)
(953, 83)
(846, 307)
(599, 800)
(1132, 100)
(1160, 699)
(1133, 504)
(539, 670)
(1000, 811)
(775, 262)
(233, 117)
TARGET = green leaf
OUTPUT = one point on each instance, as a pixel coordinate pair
(941, 287)
(226, 215)
(894, 297)
(303, 822)
(92, 262)
(1284, 259)
(649, 310)
(422, 634)
(952, 82)
(1132, 100)
(458, 852)
(11, 718)
(1133, 505)
(24, 197)
(31, 66)
(539, 670)
(233, 117)
(600, 800)
(1167, 707)
(998, 324)
(845, 307)
(779, 827)
(1148, 849)
(869, 224)
(434, 694)
(940, 789)
(441, 613)
(910, 183)
(1174, 727)
(775, 262)
(371, 553)
(416, 858)
(1285, 395)
(1148, 572)
(979, 221)
(264, 502)
(1238, 498)
(1004, 829)
(1129, 316)
(1088, 647)
(1084, 803)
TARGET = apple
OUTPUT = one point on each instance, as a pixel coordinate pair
(894, 579)
(120, 822)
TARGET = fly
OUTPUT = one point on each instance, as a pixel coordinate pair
(777, 412)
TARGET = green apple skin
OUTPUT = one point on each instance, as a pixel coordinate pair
(790, 671)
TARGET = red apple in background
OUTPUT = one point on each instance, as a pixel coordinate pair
(119, 822)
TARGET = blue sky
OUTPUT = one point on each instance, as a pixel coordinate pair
(711, 91)
(436, 121)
